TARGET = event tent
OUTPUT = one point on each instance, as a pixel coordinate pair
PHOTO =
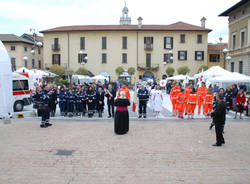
(214, 71)
(180, 77)
(230, 78)
(6, 97)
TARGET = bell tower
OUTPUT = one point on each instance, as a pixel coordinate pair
(125, 19)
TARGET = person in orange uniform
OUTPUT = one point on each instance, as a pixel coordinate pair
(181, 103)
(191, 103)
(126, 90)
(208, 102)
(188, 89)
(201, 93)
(173, 97)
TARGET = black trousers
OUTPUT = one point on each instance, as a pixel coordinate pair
(142, 106)
(111, 108)
(219, 133)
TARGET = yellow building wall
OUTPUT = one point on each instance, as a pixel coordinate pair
(93, 43)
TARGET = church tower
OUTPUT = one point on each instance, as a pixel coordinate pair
(125, 19)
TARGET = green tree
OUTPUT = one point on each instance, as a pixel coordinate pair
(57, 69)
(170, 71)
(183, 70)
(204, 67)
(82, 71)
(131, 71)
(119, 70)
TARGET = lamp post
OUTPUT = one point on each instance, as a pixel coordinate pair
(83, 59)
(225, 51)
(220, 38)
(35, 43)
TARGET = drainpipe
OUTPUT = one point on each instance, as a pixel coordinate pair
(68, 49)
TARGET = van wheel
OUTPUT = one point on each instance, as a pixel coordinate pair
(18, 106)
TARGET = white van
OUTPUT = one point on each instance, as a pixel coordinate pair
(21, 91)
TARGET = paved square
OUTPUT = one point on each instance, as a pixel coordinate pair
(153, 152)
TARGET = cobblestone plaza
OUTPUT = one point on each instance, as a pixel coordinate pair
(154, 151)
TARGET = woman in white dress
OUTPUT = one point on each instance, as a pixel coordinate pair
(158, 98)
(151, 98)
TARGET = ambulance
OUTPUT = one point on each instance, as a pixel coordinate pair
(21, 90)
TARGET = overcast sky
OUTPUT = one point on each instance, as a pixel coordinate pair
(18, 16)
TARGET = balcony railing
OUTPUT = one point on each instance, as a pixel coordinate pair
(148, 46)
(147, 67)
(55, 47)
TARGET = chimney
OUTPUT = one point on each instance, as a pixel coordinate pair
(139, 22)
(203, 22)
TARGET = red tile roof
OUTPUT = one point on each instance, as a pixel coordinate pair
(178, 26)
(38, 38)
(216, 47)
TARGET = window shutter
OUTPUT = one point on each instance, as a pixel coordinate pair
(164, 39)
(79, 59)
(82, 43)
(185, 55)
(179, 55)
(202, 55)
(152, 40)
(145, 40)
(172, 42)
(195, 56)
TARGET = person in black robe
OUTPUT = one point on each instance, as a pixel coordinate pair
(121, 120)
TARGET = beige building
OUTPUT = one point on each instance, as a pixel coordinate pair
(239, 37)
(20, 52)
(150, 49)
(216, 56)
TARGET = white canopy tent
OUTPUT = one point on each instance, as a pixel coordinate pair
(180, 77)
(6, 91)
(80, 79)
(100, 78)
(214, 71)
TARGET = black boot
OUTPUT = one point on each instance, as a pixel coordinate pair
(48, 124)
(43, 124)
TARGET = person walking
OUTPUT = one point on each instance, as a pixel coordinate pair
(121, 120)
(143, 96)
(201, 93)
(240, 101)
(219, 117)
(173, 97)
(110, 94)
(158, 99)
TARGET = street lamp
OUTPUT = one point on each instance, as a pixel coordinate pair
(83, 58)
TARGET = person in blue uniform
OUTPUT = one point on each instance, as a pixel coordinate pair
(91, 97)
(45, 98)
(71, 102)
(62, 101)
(143, 96)
(110, 94)
(100, 101)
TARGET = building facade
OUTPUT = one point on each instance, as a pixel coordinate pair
(150, 49)
(216, 56)
(239, 37)
(20, 52)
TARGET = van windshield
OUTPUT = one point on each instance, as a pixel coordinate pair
(20, 85)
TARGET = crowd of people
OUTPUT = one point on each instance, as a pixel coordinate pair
(88, 99)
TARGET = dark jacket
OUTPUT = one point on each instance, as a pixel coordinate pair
(113, 92)
(122, 102)
(234, 92)
(219, 114)
(143, 94)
